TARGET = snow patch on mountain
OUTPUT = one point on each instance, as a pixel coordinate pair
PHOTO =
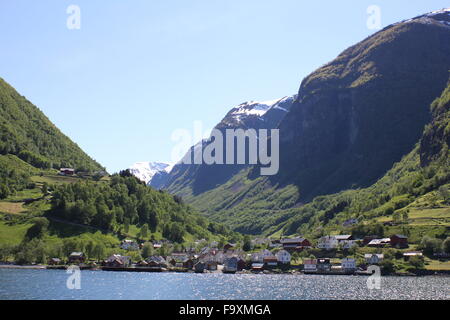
(145, 171)
(257, 108)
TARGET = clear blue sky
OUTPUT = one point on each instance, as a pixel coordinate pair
(137, 70)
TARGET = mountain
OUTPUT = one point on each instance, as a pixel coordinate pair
(74, 208)
(27, 133)
(353, 119)
(30, 143)
(146, 171)
(187, 179)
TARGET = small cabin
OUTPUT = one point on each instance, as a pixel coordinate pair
(67, 171)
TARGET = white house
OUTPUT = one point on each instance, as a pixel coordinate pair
(333, 242)
(283, 257)
(129, 245)
(327, 242)
(259, 256)
(348, 264)
(374, 258)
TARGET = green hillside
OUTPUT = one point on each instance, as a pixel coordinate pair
(27, 133)
(414, 194)
(354, 120)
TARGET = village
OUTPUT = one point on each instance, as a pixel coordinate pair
(332, 254)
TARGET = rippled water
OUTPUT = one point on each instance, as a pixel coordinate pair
(51, 284)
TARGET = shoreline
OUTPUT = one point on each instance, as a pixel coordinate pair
(423, 273)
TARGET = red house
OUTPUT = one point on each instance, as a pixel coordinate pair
(295, 244)
(67, 171)
(399, 241)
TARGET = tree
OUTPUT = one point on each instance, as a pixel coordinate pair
(430, 245)
(417, 262)
(126, 225)
(99, 251)
(247, 245)
(387, 266)
(90, 249)
(147, 250)
(144, 231)
(38, 229)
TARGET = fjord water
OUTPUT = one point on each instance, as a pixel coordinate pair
(51, 284)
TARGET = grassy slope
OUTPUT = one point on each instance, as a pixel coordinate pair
(417, 183)
(16, 216)
(23, 127)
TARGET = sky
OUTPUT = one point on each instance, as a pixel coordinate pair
(136, 71)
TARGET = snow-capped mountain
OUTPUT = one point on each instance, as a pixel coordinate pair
(258, 110)
(202, 177)
(438, 17)
(145, 171)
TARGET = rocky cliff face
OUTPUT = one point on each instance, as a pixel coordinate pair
(357, 115)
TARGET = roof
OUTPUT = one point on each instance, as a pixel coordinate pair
(76, 254)
(270, 258)
(379, 241)
(293, 240)
(400, 236)
(343, 237)
(370, 255)
(413, 253)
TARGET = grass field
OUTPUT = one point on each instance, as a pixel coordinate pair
(425, 217)
(12, 234)
(55, 179)
(437, 265)
(11, 207)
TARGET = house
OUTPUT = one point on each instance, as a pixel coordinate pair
(156, 262)
(177, 258)
(367, 239)
(270, 261)
(323, 265)
(348, 265)
(142, 264)
(129, 245)
(379, 243)
(295, 244)
(373, 258)
(309, 265)
(211, 265)
(230, 265)
(283, 257)
(66, 171)
(77, 257)
(333, 242)
(54, 261)
(116, 260)
(257, 267)
(259, 256)
(399, 241)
